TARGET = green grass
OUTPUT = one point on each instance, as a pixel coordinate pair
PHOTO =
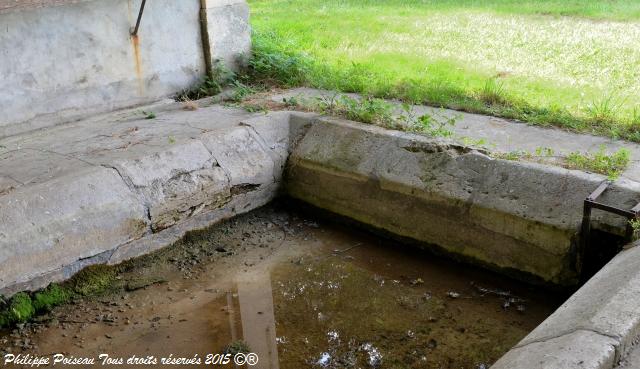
(572, 64)
(600, 162)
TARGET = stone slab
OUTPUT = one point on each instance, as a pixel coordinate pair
(177, 182)
(53, 224)
(580, 349)
(240, 154)
(89, 187)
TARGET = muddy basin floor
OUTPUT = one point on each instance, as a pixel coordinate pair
(300, 292)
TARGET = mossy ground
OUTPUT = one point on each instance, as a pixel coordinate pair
(91, 281)
(100, 280)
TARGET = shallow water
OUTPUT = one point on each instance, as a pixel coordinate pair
(300, 293)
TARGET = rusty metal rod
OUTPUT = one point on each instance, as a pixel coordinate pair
(135, 30)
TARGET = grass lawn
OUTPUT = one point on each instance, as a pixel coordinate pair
(568, 63)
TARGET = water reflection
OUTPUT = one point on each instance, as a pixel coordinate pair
(302, 295)
(258, 319)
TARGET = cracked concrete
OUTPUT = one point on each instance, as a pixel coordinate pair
(109, 188)
(149, 175)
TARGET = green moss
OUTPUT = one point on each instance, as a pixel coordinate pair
(237, 347)
(50, 297)
(20, 310)
(93, 280)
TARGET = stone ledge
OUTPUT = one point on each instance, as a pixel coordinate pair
(119, 196)
(607, 306)
(594, 351)
(503, 214)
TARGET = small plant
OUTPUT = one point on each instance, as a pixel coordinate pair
(171, 140)
(601, 162)
(514, 155)
(93, 280)
(255, 108)
(604, 112)
(544, 151)
(493, 93)
(366, 110)
(241, 91)
(468, 141)
(213, 84)
(269, 65)
(237, 347)
(149, 114)
(50, 297)
(290, 102)
(635, 227)
(438, 125)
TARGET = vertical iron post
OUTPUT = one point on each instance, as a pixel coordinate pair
(134, 33)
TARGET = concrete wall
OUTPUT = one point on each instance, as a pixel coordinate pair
(7, 6)
(515, 217)
(62, 62)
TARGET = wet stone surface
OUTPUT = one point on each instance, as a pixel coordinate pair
(301, 293)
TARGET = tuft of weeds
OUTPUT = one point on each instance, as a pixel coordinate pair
(611, 165)
(366, 110)
(212, 85)
(513, 155)
(437, 125)
(269, 65)
(149, 114)
(371, 110)
(290, 102)
(544, 151)
(635, 226)
(475, 142)
(254, 108)
(237, 347)
(493, 93)
(241, 91)
(604, 112)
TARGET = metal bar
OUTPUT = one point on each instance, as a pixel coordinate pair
(612, 209)
(595, 194)
(135, 30)
(585, 233)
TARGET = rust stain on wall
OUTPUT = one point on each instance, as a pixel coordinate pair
(135, 41)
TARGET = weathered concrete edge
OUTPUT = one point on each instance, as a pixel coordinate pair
(372, 174)
(259, 182)
(605, 346)
(155, 241)
(607, 307)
